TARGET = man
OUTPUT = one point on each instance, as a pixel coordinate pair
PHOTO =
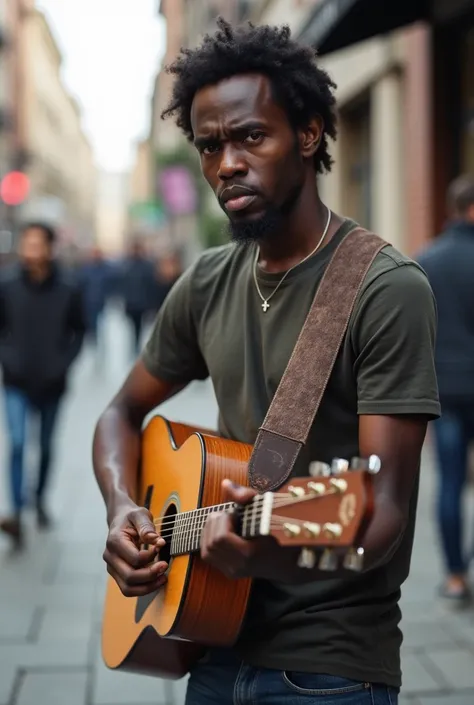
(449, 264)
(260, 112)
(41, 331)
(137, 286)
(95, 275)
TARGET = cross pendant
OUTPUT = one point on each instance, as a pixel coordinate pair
(265, 306)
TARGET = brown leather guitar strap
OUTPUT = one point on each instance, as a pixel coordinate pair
(291, 414)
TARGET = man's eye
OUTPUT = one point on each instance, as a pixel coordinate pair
(254, 137)
(210, 148)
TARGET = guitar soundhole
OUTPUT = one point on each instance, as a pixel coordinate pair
(167, 528)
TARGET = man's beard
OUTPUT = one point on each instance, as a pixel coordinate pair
(268, 225)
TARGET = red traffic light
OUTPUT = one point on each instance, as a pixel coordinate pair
(14, 188)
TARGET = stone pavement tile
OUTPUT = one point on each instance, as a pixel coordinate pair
(416, 677)
(55, 653)
(451, 699)
(65, 625)
(456, 667)
(125, 688)
(426, 634)
(8, 675)
(17, 621)
(53, 688)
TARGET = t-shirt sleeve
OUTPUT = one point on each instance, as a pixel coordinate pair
(393, 336)
(172, 352)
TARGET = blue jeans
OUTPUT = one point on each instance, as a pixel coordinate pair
(223, 680)
(453, 433)
(18, 409)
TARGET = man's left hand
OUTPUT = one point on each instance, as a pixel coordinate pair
(221, 547)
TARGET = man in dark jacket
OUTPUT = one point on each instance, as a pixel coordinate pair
(137, 287)
(449, 264)
(41, 333)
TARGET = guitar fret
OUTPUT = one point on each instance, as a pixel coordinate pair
(188, 528)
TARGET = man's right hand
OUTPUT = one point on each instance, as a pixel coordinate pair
(136, 571)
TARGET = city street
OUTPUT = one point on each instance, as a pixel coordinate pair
(51, 597)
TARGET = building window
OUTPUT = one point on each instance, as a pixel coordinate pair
(355, 136)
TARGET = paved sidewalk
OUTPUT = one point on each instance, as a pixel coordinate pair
(51, 598)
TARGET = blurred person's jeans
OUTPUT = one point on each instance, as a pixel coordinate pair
(18, 410)
(223, 680)
(453, 433)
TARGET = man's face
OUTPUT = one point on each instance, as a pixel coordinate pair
(35, 250)
(250, 154)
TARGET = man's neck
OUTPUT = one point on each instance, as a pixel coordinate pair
(298, 237)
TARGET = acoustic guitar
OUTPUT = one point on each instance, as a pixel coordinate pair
(182, 469)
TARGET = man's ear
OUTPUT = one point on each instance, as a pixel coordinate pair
(310, 137)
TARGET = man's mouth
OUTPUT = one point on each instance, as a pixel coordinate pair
(239, 202)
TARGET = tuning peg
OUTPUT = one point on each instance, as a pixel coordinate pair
(339, 466)
(307, 559)
(371, 464)
(291, 529)
(318, 469)
(296, 491)
(354, 560)
(358, 464)
(338, 484)
(374, 464)
(313, 530)
(316, 487)
(328, 561)
(332, 531)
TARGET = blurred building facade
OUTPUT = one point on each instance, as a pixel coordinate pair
(60, 159)
(41, 131)
(111, 215)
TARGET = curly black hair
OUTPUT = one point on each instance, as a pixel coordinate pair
(300, 86)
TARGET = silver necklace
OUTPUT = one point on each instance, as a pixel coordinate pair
(265, 304)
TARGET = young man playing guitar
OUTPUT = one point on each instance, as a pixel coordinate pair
(260, 112)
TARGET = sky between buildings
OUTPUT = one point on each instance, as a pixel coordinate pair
(112, 49)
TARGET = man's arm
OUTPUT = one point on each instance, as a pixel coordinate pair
(171, 359)
(116, 445)
(116, 452)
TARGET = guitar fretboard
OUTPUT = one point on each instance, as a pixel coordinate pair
(188, 526)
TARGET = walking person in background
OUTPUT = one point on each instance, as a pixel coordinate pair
(168, 270)
(41, 332)
(137, 287)
(449, 264)
(95, 280)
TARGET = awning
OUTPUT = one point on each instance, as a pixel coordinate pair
(336, 24)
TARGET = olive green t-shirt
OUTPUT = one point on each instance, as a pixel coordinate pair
(212, 324)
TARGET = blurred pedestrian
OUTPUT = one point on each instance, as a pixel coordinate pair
(41, 332)
(95, 280)
(168, 270)
(137, 288)
(449, 264)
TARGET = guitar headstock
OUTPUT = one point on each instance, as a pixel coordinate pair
(327, 511)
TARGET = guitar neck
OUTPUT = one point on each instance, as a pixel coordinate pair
(253, 521)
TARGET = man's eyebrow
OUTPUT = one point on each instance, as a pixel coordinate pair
(247, 125)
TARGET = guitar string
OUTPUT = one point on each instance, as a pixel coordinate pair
(185, 531)
(282, 500)
(275, 522)
(222, 505)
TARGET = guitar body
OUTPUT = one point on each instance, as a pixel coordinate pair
(163, 634)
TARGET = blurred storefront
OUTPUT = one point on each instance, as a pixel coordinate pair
(424, 68)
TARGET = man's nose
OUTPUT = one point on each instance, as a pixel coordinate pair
(232, 164)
